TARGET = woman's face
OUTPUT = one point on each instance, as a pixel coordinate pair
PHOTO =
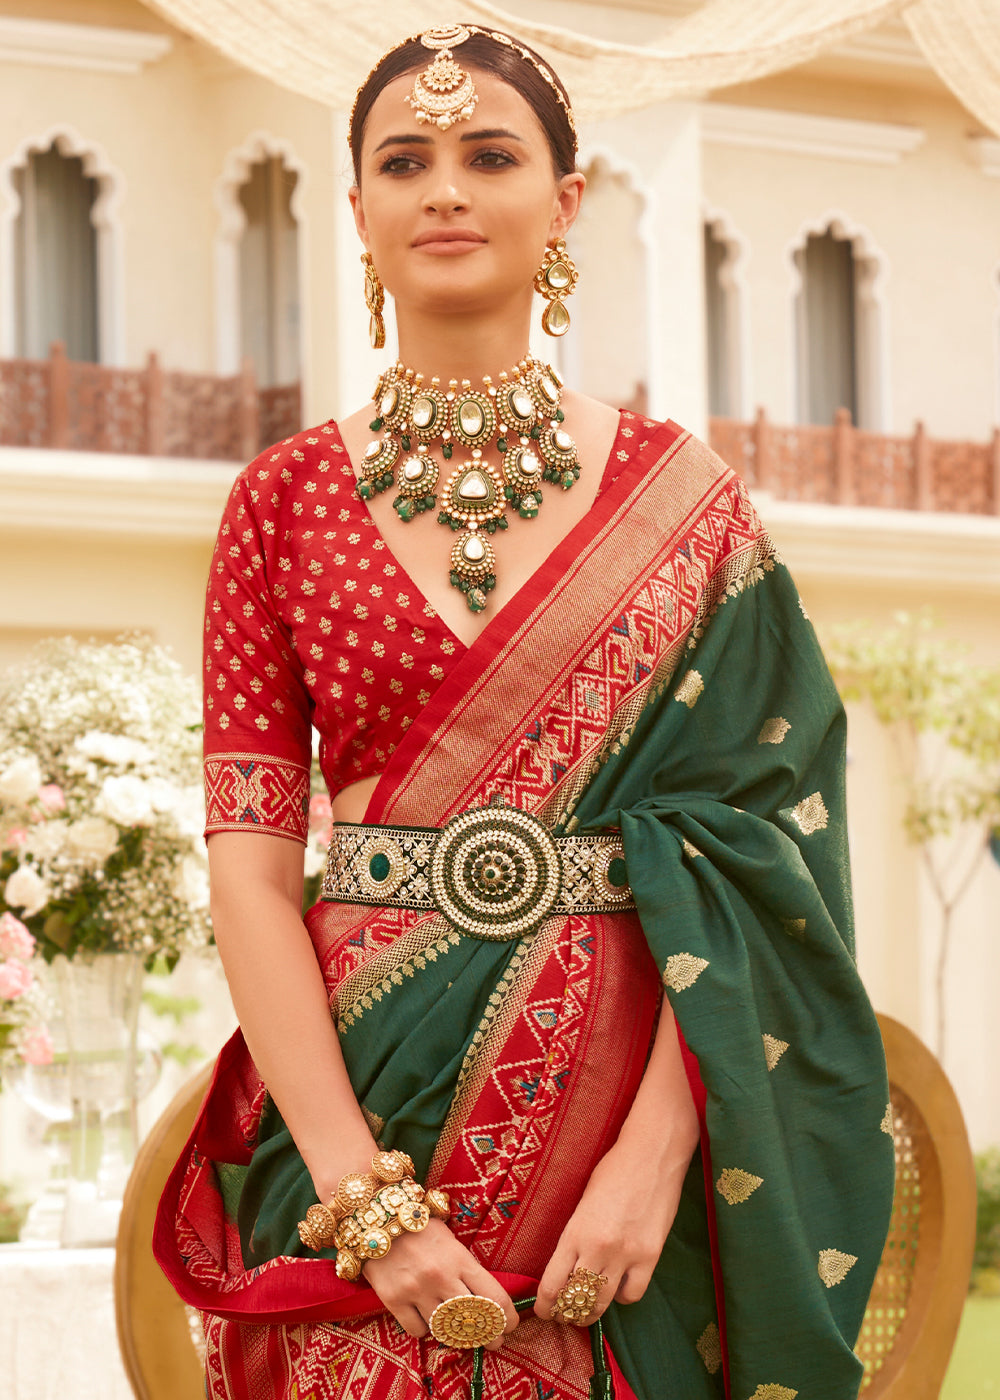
(457, 220)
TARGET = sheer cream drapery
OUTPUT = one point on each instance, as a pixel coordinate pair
(324, 48)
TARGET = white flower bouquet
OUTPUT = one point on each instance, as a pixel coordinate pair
(101, 806)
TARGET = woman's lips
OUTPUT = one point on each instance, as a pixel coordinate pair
(448, 241)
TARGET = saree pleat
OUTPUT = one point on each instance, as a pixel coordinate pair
(658, 675)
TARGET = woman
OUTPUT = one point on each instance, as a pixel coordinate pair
(621, 713)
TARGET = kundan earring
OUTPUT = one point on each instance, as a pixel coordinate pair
(556, 279)
(374, 300)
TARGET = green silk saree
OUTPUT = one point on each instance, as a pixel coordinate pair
(657, 674)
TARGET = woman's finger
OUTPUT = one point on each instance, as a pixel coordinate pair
(633, 1284)
(410, 1320)
(484, 1285)
(606, 1290)
(557, 1271)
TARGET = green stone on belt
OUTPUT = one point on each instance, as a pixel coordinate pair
(378, 866)
(617, 873)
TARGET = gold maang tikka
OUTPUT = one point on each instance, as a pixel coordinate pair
(444, 92)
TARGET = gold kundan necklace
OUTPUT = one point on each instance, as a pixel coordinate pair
(520, 414)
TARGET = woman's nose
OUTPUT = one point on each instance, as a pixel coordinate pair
(445, 193)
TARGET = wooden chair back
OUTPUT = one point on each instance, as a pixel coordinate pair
(920, 1289)
(161, 1340)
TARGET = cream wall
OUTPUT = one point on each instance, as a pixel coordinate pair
(166, 134)
(935, 217)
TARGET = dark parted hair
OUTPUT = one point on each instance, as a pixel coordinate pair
(491, 56)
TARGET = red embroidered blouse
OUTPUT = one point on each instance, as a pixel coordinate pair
(310, 621)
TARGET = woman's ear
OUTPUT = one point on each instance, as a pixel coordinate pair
(357, 208)
(567, 204)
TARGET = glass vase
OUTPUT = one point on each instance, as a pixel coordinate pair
(101, 1067)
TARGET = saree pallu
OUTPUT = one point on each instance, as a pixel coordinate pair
(657, 674)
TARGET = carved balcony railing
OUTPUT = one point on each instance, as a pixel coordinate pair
(847, 466)
(164, 413)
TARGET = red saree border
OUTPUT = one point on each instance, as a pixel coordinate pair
(484, 704)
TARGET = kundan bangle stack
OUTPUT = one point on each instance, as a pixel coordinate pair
(370, 1210)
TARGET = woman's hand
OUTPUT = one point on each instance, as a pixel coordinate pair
(422, 1270)
(618, 1230)
(629, 1204)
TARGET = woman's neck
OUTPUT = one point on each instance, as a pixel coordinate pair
(461, 347)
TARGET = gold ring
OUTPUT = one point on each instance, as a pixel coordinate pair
(577, 1298)
(468, 1320)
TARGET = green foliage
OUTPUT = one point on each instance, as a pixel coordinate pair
(12, 1215)
(988, 1209)
(944, 714)
(918, 684)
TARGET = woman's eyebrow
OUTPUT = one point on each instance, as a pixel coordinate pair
(492, 134)
(410, 139)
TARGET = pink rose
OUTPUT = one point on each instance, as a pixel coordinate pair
(15, 979)
(320, 811)
(16, 838)
(35, 1046)
(16, 939)
(52, 798)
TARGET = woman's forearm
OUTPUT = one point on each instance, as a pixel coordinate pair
(281, 1002)
(662, 1128)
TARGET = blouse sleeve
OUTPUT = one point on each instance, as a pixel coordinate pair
(257, 708)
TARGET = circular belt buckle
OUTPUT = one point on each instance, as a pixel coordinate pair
(496, 873)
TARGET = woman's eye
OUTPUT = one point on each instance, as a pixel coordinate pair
(493, 159)
(398, 165)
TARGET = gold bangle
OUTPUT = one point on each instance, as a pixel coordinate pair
(392, 1166)
(319, 1227)
(577, 1298)
(371, 1209)
(354, 1191)
(438, 1203)
(348, 1265)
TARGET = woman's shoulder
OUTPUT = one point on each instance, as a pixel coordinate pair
(300, 462)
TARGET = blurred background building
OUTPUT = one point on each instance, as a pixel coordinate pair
(804, 267)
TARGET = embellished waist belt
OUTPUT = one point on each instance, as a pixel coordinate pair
(493, 872)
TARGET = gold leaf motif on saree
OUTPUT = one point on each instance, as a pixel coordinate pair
(689, 689)
(886, 1124)
(773, 1392)
(682, 971)
(691, 850)
(773, 731)
(795, 928)
(736, 1186)
(833, 1266)
(811, 814)
(773, 1050)
(709, 1347)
